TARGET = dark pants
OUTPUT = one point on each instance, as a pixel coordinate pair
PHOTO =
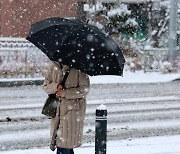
(64, 151)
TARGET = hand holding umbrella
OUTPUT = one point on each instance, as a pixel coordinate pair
(59, 90)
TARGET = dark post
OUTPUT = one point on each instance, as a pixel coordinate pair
(101, 130)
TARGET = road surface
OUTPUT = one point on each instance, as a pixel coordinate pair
(134, 111)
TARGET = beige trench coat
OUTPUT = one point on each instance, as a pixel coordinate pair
(72, 106)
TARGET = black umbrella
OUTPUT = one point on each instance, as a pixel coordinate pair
(78, 45)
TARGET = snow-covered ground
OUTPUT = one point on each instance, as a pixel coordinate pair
(136, 77)
(151, 145)
(147, 145)
(128, 77)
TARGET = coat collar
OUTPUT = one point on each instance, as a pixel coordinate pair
(65, 67)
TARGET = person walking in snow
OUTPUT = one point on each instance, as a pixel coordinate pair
(72, 106)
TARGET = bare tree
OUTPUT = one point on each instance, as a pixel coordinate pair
(158, 20)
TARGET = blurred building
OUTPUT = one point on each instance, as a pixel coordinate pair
(16, 16)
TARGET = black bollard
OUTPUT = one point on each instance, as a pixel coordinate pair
(101, 130)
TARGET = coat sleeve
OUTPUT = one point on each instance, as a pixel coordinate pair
(49, 86)
(81, 91)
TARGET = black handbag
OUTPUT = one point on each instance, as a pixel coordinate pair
(51, 103)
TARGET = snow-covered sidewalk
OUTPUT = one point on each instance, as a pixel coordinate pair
(151, 145)
(136, 77)
(128, 77)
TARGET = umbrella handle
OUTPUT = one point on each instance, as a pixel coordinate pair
(87, 22)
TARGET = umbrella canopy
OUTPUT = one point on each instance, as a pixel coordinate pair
(77, 45)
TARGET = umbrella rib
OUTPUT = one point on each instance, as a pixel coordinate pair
(43, 47)
(72, 33)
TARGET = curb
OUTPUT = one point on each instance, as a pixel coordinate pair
(20, 83)
(178, 79)
(23, 82)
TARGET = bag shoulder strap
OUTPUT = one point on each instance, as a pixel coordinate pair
(65, 77)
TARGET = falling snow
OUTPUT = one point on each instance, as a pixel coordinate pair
(143, 105)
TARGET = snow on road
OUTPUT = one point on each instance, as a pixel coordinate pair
(96, 102)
